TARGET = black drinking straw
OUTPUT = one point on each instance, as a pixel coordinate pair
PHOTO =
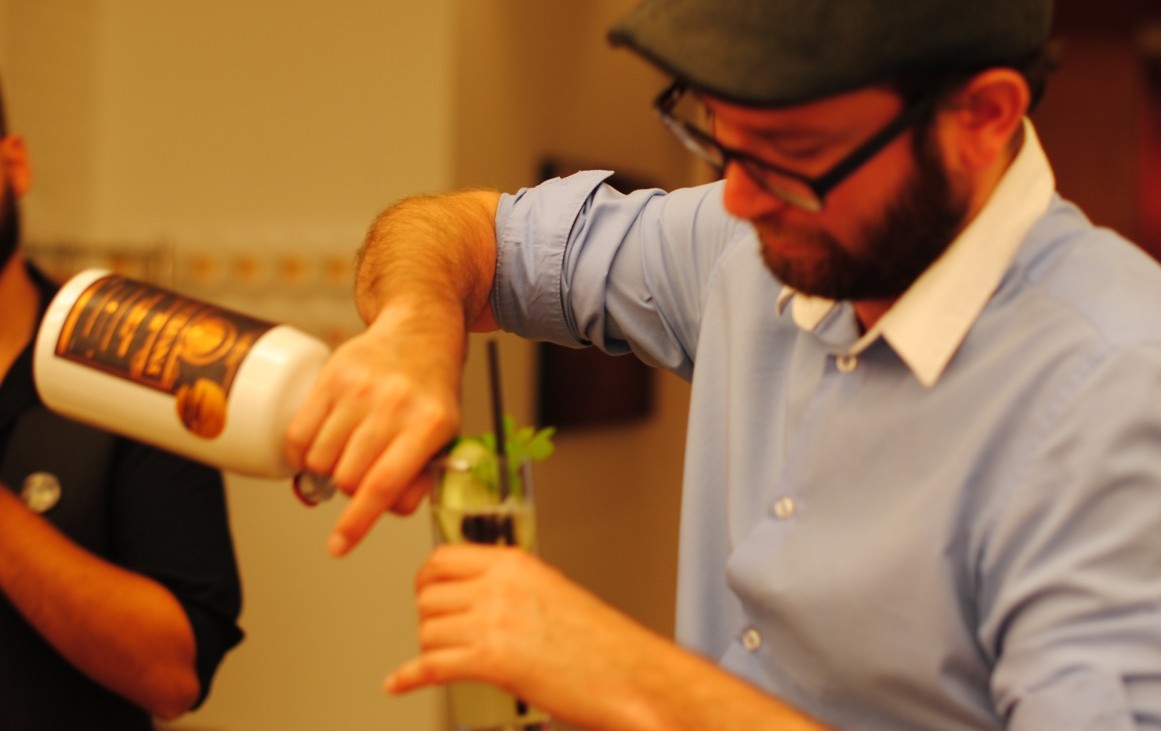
(498, 418)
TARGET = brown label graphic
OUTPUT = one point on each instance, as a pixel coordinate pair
(164, 341)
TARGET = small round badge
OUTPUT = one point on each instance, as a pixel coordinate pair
(41, 492)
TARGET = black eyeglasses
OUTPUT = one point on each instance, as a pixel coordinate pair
(795, 188)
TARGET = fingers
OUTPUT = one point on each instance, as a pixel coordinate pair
(396, 482)
(361, 513)
(442, 583)
(413, 496)
(409, 676)
(446, 639)
(439, 601)
(300, 434)
(330, 442)
(451, 651)
(373, 427)
(464, 561)
(387, 446)
(432, 668)
(340, 399)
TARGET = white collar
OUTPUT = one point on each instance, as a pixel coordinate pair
(927, 324)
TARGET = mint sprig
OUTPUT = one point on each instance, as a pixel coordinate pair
(521, 445)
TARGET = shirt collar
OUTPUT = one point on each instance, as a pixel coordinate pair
(930, 320)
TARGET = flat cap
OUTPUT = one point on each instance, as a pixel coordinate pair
(783, 52)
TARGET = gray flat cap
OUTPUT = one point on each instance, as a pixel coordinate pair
(781, 52)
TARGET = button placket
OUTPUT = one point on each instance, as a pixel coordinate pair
(784, 507)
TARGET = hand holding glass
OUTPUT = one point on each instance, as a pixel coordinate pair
(467, 508)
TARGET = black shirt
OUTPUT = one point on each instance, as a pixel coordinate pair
(143, 509)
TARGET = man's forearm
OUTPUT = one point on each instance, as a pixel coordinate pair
(431, 251)
(652, 684)
(123, 630)
(687, 692)
(505, 617)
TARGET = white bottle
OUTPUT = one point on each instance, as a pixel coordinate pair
(196, 379)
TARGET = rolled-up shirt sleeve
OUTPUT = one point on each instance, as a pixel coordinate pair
(579, 263)
(533, 230)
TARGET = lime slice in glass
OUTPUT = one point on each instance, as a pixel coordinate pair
(461, 489)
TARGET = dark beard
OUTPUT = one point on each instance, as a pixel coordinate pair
(911, 234)
(9, 226)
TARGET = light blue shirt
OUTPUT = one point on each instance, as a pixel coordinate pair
(952, 521)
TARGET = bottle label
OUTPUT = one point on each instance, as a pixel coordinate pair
(162, 340)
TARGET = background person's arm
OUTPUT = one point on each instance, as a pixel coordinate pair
(123, 630)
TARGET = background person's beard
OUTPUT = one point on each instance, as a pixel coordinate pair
(9, 225)
(912, 233)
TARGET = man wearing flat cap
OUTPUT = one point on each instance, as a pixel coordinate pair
(923, 471)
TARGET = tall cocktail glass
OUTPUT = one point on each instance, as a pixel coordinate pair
(466, 508)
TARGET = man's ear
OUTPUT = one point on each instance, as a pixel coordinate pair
(985, 115)
(14, 159)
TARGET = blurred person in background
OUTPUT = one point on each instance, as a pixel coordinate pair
(923, 470)
(119, 589)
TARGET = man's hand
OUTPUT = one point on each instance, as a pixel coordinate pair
(388, 400)
(384, 404)
(503, 616)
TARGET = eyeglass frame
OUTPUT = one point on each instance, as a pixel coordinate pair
(705, 146)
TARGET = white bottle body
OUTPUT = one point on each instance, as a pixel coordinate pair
(257, 373)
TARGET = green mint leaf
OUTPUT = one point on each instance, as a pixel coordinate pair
(521, 445)
(540, 446)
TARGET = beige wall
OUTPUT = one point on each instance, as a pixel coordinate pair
(254, 125)
(218, 118)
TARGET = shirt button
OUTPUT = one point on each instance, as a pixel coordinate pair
(784, 508)
(751, 639)
(847, 363)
